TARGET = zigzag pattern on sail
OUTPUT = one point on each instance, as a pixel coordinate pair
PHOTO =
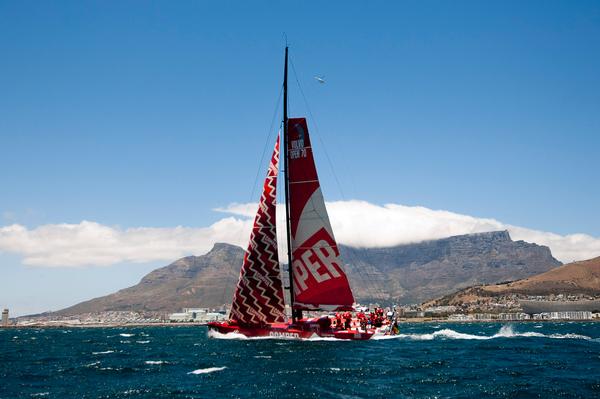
(258, 297)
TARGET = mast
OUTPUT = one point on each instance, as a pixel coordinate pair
(295, 314)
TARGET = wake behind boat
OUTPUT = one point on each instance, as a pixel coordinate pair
(317, 279)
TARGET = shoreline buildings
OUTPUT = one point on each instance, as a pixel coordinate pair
(198, 315)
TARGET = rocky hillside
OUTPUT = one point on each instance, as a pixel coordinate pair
(192, 281)
(577, 278)
(574, 278)
(403, 274)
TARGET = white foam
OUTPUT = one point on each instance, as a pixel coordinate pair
(570, 336)
(207, 370)
(92, 364)
(131, 391)
(234, 335)
(126, 335)
(102, 353)
(262, 357)
(142, 342)
(381, 337)
(506, 331)
(155, 362)
(40, 394)
(316, 338)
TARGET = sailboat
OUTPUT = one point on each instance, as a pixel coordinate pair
(317, 281)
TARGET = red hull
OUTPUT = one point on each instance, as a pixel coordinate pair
(303, 329)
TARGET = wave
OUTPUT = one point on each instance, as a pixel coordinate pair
(218, 335)
(102, 353)
(232, 335)
(156, 362)
(126, 335)
(142, 342)
(207, 370)
(506, 331)
(571, 336)
(92, 364)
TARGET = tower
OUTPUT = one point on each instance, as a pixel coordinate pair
(5, 318)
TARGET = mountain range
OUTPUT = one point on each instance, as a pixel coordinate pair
(410, 273)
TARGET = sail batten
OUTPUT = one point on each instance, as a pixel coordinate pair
(258, 297)
(319, 279)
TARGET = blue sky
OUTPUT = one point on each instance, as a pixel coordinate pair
(137, 114)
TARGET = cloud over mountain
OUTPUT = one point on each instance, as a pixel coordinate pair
(355, 223)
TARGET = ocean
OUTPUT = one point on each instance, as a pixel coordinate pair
(428, 360)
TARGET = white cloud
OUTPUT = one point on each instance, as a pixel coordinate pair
(356, 223)
(91, 243)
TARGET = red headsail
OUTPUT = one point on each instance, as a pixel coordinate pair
(258, 298)
(319, 279)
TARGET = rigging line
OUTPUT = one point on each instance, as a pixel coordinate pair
(262, 157)
(260, 164)
(317, 130)
(373, 288)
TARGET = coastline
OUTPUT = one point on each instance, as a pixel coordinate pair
(184, 324)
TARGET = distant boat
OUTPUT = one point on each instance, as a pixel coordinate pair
(317, 279)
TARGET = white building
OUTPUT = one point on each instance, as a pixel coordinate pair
(198, 315)
(513, 316)
(460, 317)
(572, 315)
(576, 315)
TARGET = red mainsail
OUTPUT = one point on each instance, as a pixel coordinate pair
(319, 279)
(258, 297)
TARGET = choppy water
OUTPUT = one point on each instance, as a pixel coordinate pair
(522, 360)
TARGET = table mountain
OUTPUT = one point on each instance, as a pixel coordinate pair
(414, 273)
(408, 273)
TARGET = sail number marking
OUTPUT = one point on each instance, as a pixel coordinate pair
(298, 150)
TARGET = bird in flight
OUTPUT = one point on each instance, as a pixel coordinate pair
(320, 79)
